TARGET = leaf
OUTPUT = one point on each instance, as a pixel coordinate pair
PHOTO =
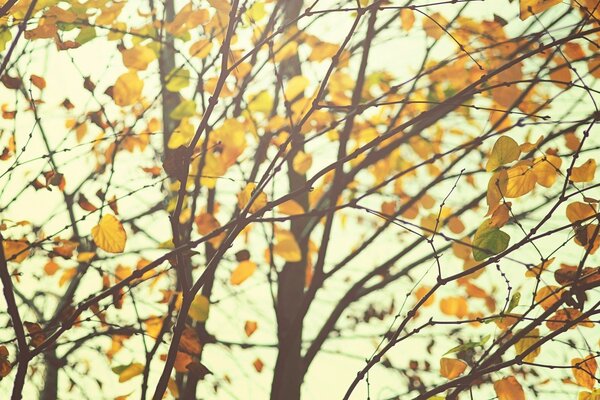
(36, 333)
(509, 389)
(250, 327)
(243, 271)
(287, 247)
(262, 102)
(455, 306)
(38, 81)
(85, 35)
(546, 169)
(302, 162)
(547, 296)
(187, 108)
(5, 366)
(468, 345)
(295, 87)
(451, 368)
(505, 151)
(528, 342)
(488, 241)
(584, 371)
(578, 211)
(178, 79)
(127, 372)
(530, 7)
(585, 172)
(561, 318)
(201, 49)
(127, 89)
(109, 234)
(407, 17)
(199, 309)
(246, 195)
(514, 302)
(431, 25)
(138, 57)
(258, 365)
(190, 342)
(290, 207)
(16, 250)
(520, 180)
(182, 360)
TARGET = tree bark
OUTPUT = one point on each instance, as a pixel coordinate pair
(288, 374)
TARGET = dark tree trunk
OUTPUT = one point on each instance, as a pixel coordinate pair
(288, 373)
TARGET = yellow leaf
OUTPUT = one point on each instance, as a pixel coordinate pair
(262, 102)
(67, 275)
(527, 342)
(199, 308)
(505, 151)
(530, 7)
(243, 271)
(290, 207)
(287, 247)
(138, 57)
(153, 326)
(173, 388)
(131, 371)
(432, 23)
(302, 162)
(584, 371)
(509, 389)
(520, 181)
(109, 234)
(585, 172)
(455, 306)
(16, 250)
(295, 87)
(407, 17)
(451, 368)
(245, 195)
(546, 169)
(579, 211)
(201, 49)
(128, 89)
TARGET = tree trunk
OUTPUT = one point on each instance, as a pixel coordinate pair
(288, 374)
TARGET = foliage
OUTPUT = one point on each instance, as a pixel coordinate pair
(215, 198)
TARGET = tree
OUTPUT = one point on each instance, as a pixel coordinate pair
(216, 199)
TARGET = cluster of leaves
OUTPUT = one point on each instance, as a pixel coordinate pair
(226, 180)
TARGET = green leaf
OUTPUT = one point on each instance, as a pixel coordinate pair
(177, 79)
(514, 301)
(199, 308)
(5, 37)
(488, 241)
(468, 345)
(505, 150)
(86, 34)
(120, 368)
(186, 108)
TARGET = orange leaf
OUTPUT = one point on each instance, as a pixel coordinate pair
(585, 172)
(243, 271)
(451, 368)
(509, 389)
(584, 371)
(109, 234)
(250, 327)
